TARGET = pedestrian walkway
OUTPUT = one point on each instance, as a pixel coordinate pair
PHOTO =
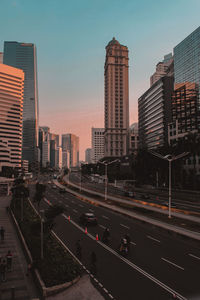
(17, 286)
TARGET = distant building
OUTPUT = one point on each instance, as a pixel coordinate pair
(54, 144)
(11, 108)
(134, 138)
(70, 142)
(44, 144)
(23, 56)
(98, 145)
(116, 99)
(24, 166)
(66, 159)
(88, 155)
(163, 68)
(1, 57)
(60, 164)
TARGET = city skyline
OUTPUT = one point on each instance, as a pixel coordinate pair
(73, 50)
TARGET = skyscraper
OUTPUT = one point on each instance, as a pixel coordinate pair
(44, 145)
(11, 108)
(116, 99)
(70, 142)
(23, 56)
(163, 68)
(187, 64)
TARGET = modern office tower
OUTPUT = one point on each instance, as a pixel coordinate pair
(44, 145)
(59, 149)
(187, 64)
(88, 155)
(163, 68)
(97, 144)
(116, 99)
(11, 109)
(23, 56)
(70, 142)
(1, 57)
(66, 159)
(54, 144)
(154, 114)
(134, 138)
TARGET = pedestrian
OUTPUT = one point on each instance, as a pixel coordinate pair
(2, 233)
(127, 237)
(78, 249)
(3, 269)
(9, 260)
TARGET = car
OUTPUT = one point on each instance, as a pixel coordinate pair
(62, 191)
(88, 219)
(167, 204)
(129, 194)
(145, 196)
(54, 187)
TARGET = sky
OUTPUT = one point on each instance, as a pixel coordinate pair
(71, 37)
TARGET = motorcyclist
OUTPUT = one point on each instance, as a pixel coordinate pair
(106, 235)
(124, 246)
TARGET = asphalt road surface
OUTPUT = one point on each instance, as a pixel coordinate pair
(158, 265)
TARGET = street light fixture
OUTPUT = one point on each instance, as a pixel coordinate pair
(170, 158)
(106, 174)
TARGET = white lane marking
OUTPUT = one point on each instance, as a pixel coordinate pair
(100, 284)
(60, 201)
(105, 290)
(169, 262)
(92, 210)
(75, 210)
(133, 243)
(132, 265)
(192, 255)
(105, 217)
(66, 205)
(102, 226)
(72, 201)
(151, 238)
(125, 226)
(80, 205)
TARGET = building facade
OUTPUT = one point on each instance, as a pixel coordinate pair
(44, 145)
(98, 145)
(154, 114)
(23, 56)
(70, 143)
(163, 68)
(11, 108)
(116, 99)
(134, 138)
(88, 155)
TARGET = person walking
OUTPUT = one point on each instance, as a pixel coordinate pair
(2, 233)
(3, 269)
(9, 260)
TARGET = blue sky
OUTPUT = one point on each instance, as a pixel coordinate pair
(71, 37)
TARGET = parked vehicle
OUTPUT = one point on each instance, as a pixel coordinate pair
(88, 219)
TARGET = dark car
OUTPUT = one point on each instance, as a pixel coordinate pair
(62, 191)
(167, 204)
(88, 219)
(145, 196)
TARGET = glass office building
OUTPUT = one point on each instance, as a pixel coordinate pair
(23, 56)
(187, 63)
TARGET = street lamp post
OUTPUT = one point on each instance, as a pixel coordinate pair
(169, 158)
(80, 188)
(106, 174)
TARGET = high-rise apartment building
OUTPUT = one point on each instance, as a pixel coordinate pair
(54, 153)
(97, 144)
(163, 68)
(44, 145)
(116, 99)
(23, 56)
(187, 64)
(70, 142)
(11, 109)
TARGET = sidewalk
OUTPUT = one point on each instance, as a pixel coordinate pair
(17, 285)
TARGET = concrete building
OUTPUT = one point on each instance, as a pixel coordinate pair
(25, 166)
(11, 108)
(54, 144)
(66, 159)
(134, 138)
(70, 142)
(23, 56)
(60, 163)
(98, 145)
(163, 68)
(116, 99)
(154, 114)
(44, 145)
(88, 155)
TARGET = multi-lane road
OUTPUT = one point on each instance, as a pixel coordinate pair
(158, 266)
